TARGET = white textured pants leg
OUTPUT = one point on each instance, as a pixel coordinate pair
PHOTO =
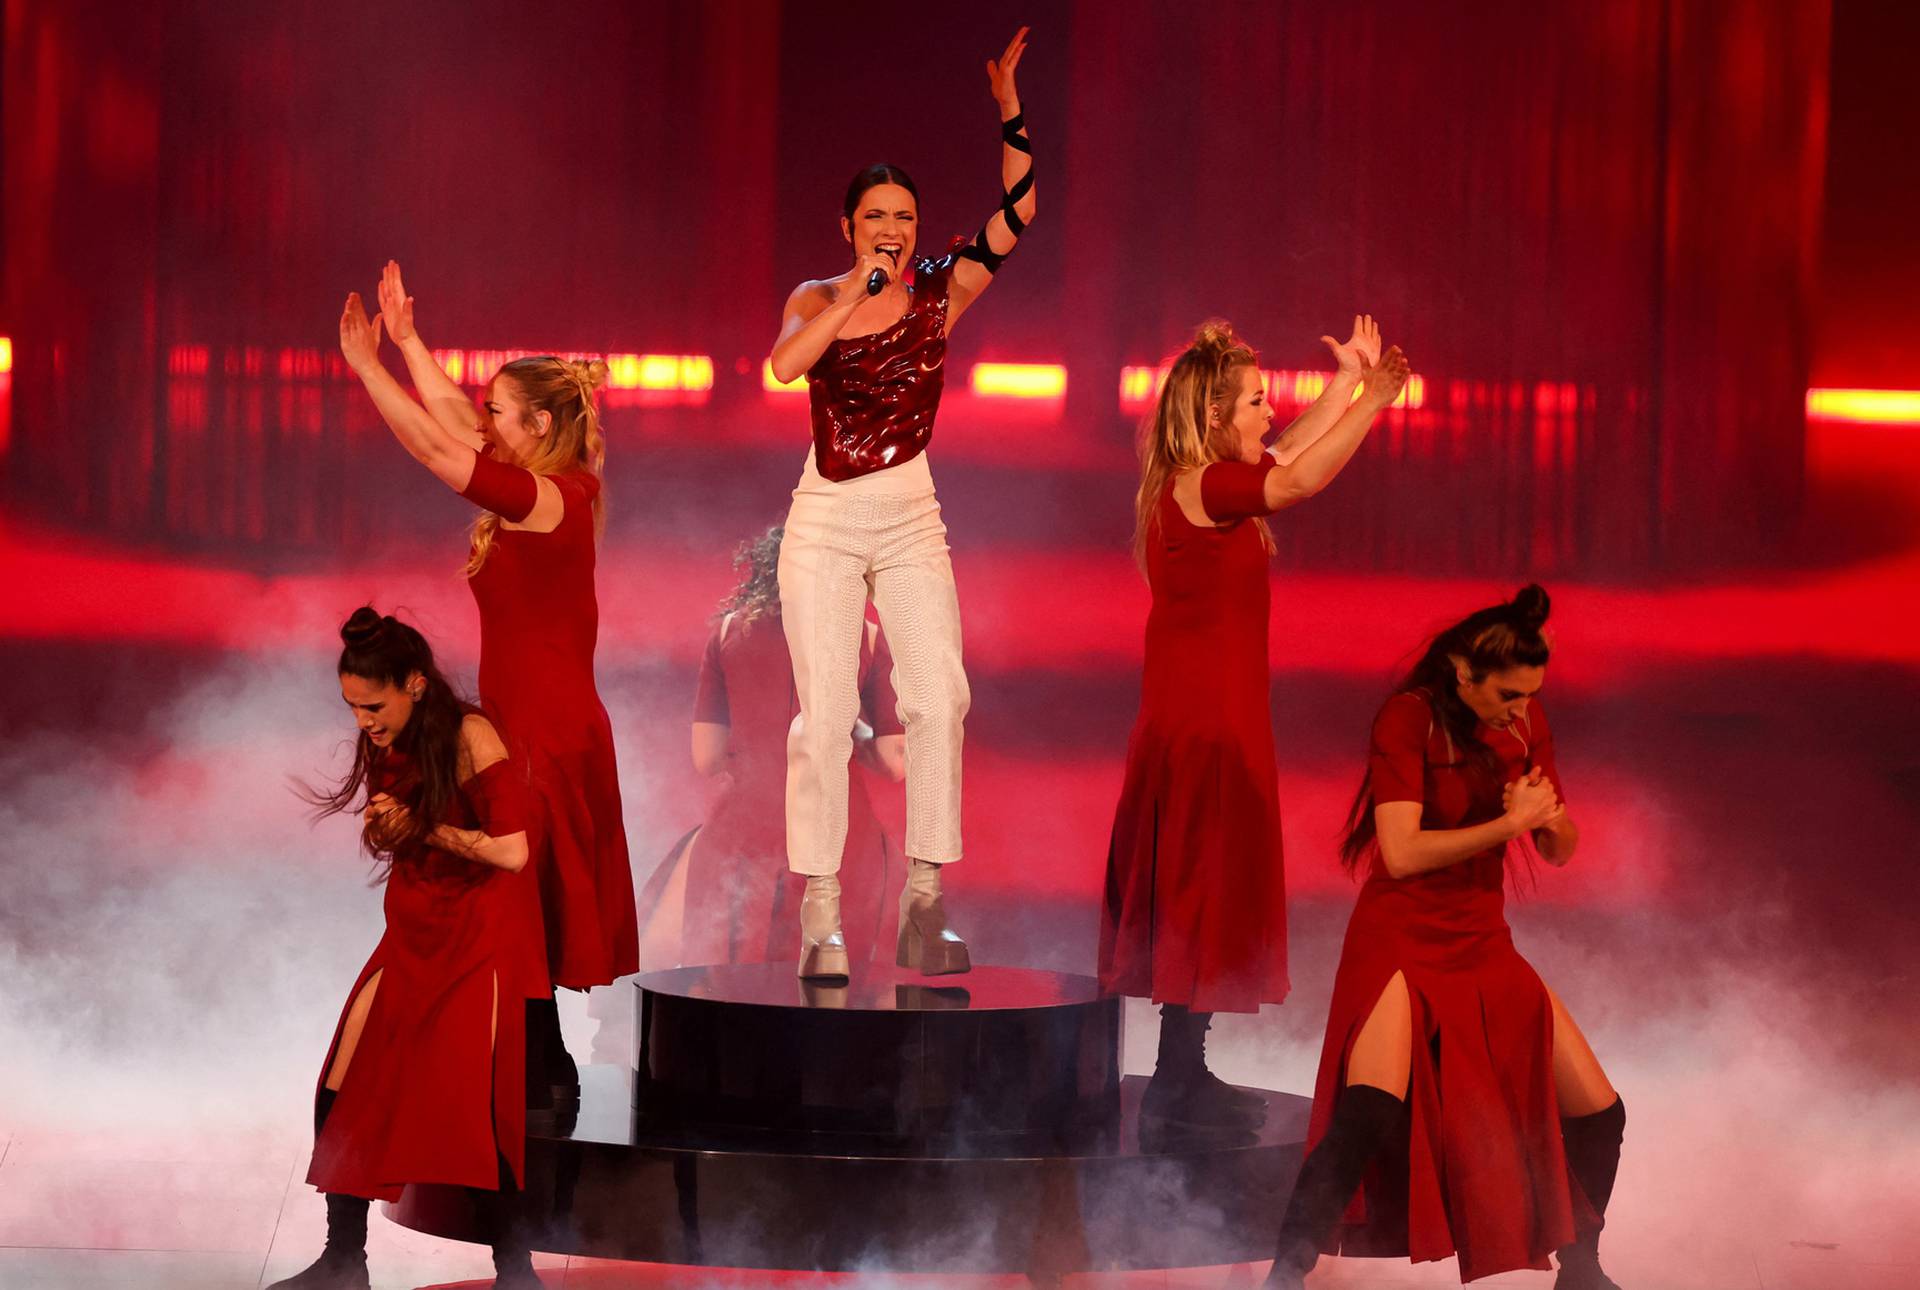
(824, 559)
(919, 608)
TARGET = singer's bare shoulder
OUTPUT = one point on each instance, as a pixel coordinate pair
(815, 294)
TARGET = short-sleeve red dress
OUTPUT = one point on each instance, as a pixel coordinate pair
(539, 624)
(1195, 908)
(741, 905)
(436, 1091)
(1483, 1173)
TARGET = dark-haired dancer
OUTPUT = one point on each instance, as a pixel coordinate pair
(422, 1083)
(1195, 912)
(530, 458)
(1452, 1083)
(738, 908)
(865, 523)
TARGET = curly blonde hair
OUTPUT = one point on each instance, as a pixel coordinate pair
(1180, 434)
(563, 388)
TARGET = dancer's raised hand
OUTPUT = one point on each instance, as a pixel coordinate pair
(1363, 344)
(396, 306)
(359, 338)
(1383, 382)
(1000, 74)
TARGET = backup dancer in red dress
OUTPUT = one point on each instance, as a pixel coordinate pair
(531, 460)
(1456, 1097)
(1195, 903)
(865, 525)
(422, 1083)
(742, 714)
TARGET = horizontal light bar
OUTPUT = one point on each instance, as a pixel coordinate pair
(6, 353)
(684, 373)
(1139, 386)
(1865, 407)
(773, 385)
(1018, 380)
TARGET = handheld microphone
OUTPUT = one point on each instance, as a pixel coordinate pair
(876, 282)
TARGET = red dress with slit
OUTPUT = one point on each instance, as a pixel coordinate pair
(1483, 1170)
(539, 623)
(742, 903)
(1195, 907)
(435, 1093)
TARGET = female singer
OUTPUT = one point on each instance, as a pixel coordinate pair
(865, 522)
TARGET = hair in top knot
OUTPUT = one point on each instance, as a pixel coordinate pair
(1529, 607)
(363, 626)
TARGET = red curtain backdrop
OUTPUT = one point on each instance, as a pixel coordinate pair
(1594, 227)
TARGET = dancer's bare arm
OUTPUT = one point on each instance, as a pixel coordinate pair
(449, 460)
(1406, 849)
(445, 401)
(1324, 458)
(1304, 430)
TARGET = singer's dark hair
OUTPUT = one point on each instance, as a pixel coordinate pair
(1493, 639)
(873, 176)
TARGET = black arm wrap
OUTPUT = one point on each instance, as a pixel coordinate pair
(979, 250)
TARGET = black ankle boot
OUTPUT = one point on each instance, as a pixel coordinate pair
(1593, 1160)
(342, 1265)
(1183, 1090)
(1363, 1119)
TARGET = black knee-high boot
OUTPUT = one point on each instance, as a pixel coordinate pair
(1183, 1089)
(1363, 1119)
(503, 1219)
(1593, 1158)
(551, 1071)
(322, 1104)
(342, 1265)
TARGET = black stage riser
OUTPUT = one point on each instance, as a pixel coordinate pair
(1209, 1199)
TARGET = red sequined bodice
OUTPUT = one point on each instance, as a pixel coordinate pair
(874, 397)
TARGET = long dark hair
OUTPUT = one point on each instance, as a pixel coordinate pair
(872, 176)
(758, 595)
(379, 647)
(1489, 640)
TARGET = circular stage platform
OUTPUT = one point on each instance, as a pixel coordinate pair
(970, 1124)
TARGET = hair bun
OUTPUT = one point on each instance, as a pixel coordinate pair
(1215, 334)
(365, 625)
(1529, 607)
(591, 373)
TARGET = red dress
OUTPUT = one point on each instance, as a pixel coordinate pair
(1484, 1171)
(539, 623)
(1196, 906)
(425, 1099)
(742, 906)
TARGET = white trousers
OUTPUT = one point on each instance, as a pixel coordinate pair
(840, 550)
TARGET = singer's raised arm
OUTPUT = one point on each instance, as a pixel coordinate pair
(981, 259)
